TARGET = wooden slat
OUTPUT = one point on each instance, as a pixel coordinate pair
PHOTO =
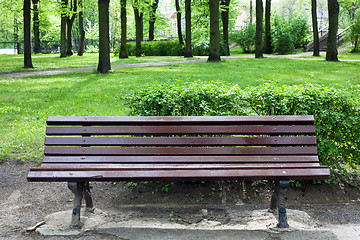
(179, 120)
(173, 175)
(180, 159)
(143, 151)
(148, 167)
(179, 141)
(180, 129)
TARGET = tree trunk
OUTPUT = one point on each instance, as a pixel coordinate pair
(70, 22)
(63, 49)
(104, 46)
(259, 29)
(152, 18)
(27, 37)
(188, 47)
(225, 22)
(251, 12)
(37, 46)
(331, 51)
(267, 38)
(81, 29)
(139, 30)
(316, 51)
(123, 50)
(178, 20)
(214, 46)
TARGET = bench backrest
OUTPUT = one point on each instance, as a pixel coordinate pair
(182, 136)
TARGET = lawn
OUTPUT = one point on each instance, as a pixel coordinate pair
(25, 103)
(15, 63)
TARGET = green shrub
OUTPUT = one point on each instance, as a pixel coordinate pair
(154, 48)
(245, 38)
(282, 41)
(336, 111)
(191, 99)
(337, 117)
(299, 30)
(288, 33)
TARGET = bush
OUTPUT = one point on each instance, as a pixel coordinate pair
(288, 34)
(282, 42)
(245, 38)
(336, 111)
(154, 48)
(190, 99)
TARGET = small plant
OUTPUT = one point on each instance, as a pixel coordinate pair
(174, 217)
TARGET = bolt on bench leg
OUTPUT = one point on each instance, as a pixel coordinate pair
(80, 189)
(278, 201)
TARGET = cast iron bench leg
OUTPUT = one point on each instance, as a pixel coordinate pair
(280, 188)
(88, 199)
(78, 189)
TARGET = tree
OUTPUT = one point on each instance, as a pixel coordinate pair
(63, 48)
(27, 37)
(123, 51)
(354, 33)
(81, 29)
(316, 51)
(178, 20)
(225, 21)
(138, 13)
(37, 46)
(188, 48)
(152, 17)
(259, 29)
(251, 12)
(70, 17)
(214, 46)
(104, 41)
(331, 50)
(267, 38)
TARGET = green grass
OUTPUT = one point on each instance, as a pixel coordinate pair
(15, 63)
(25, 103)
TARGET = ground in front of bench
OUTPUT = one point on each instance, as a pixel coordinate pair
(242, 218)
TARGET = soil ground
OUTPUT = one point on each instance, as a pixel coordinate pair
(187, 206)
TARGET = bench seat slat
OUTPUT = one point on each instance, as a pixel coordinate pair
(146, 167)
(172, 175)
(179, 141)
(179, 129)
(160, 120)
(111, 151)
(180, 159)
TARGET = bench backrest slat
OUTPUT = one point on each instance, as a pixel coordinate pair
(178, 120)
(181, 159)
(176, 141)
(180, 129)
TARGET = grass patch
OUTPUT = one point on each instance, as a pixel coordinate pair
(15, 63)
(25, 103)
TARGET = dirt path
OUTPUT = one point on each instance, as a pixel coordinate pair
(190, 209)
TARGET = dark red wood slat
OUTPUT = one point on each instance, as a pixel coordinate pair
(179, 141)
(143, 151)
(181, 129)
(178, 120)
(147, 167)
(243, 174)
(180, 159)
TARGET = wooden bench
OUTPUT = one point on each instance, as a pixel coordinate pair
(79, 150)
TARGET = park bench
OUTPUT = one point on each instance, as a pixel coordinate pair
(79, 150)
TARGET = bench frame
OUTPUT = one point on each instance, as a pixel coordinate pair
(172, 155)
